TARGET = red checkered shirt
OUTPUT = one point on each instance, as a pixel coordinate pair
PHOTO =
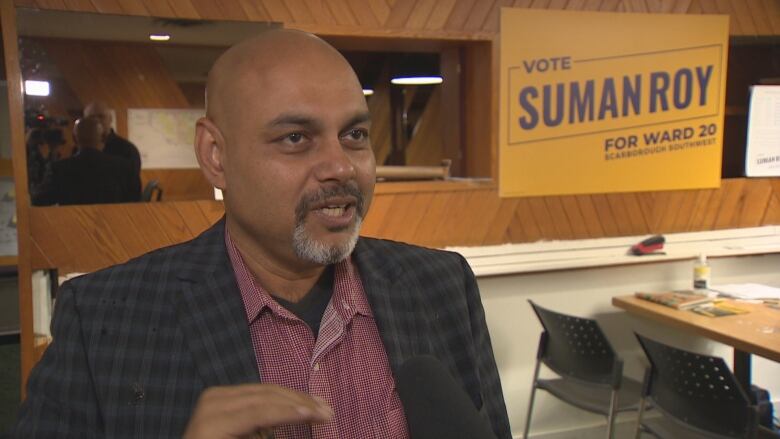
(346, 365)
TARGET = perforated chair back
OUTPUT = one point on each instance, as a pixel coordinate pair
(697, 389)
(577, 347)
(152, 191)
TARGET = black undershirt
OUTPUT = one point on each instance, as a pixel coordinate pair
(312, 306)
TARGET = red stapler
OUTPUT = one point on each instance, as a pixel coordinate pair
(651, 245)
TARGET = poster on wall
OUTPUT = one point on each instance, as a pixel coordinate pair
(165, 137)
(762, 158)
(594, 102)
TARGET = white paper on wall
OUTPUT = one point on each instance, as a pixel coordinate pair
(762, 158)
(164, 137)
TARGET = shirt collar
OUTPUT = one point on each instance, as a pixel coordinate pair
(348, 290)
(348, 296)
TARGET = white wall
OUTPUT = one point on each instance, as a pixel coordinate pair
(587, 292)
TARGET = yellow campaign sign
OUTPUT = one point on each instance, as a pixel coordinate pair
(596, 102)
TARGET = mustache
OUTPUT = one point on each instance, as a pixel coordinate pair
(316, 197)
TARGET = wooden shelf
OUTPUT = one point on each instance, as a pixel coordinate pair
(452, 185)
(8, 261)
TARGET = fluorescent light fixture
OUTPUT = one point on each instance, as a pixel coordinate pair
(36, 88)
(159, 37)
(367, 92)
(417, 80)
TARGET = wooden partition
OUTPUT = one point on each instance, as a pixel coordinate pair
(84, 238)
(16, 113)
(87, 238)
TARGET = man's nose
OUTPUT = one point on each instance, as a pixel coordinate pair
(334, 162)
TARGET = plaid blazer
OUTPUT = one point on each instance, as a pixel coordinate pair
(135, 344)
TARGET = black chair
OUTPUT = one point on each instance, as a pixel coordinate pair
(152, 191)
(697, 396)
(590, 373)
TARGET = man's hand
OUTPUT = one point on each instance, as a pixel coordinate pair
(247, 409)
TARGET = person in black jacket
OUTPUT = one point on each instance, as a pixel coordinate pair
(91, 176)
(196, 340)
(116, 145)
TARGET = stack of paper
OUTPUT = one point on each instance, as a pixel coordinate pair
(747, 291)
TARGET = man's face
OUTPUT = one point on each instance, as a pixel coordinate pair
(298, 163)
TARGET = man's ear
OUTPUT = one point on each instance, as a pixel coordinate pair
(209, 149)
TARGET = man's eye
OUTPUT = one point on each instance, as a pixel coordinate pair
(294, 137)
(357, 134)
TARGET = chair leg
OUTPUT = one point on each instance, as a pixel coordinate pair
(640, 412)
(613, 402)
(531, 402)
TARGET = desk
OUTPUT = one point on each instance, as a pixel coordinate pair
(757, 332)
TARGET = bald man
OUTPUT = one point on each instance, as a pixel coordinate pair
(279, 321)
(115, 144)
(91, 176)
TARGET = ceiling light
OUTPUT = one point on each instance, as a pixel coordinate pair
(159, 37)
(416, 69)
(367, 92)
(417, 80)
(36, 88)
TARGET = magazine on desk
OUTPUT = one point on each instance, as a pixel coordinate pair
(719, 308)
(678, 299)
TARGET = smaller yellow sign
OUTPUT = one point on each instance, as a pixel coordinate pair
(610, 102)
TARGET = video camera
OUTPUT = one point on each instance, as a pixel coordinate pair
(40, 119)
(43, 128)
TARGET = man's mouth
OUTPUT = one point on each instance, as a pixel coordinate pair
(334, 211)
(336, 208)
(335, 216)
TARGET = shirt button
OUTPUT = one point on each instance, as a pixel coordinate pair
(345, 305)
(316, 367)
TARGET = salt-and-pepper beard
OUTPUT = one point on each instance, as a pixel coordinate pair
(308, 248)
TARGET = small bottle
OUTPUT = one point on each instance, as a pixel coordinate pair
(701, 273)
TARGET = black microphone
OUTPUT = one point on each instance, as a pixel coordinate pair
(435, 405)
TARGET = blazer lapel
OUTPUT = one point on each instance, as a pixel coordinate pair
(399, 314)
(211, 313)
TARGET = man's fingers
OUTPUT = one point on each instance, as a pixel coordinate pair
(254, 388)
(307, 407)
(236, 411)
(256, 417)
(229, 399)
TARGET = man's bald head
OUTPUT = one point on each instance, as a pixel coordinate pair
(90, 133)
(286, 138)
(274, 51)
(101, 111)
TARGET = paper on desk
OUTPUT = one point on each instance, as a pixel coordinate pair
(747, 291)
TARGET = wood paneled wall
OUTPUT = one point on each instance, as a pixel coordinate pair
(123, 75)
(86, 238)
(379, 107)
(445, 18)
(179, 184)
(426, 146)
